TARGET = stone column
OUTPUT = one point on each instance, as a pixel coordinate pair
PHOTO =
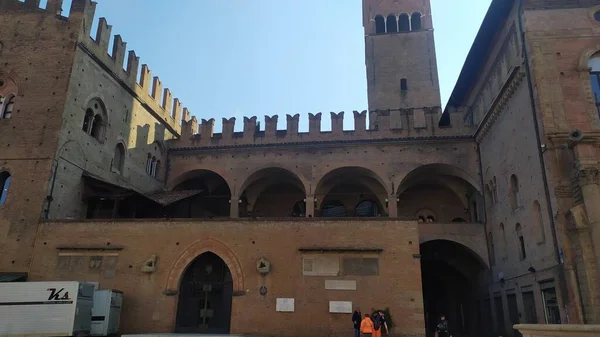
(392, 206)
(310, 206)
(234, 207)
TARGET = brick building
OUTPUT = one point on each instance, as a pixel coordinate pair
(483, 211)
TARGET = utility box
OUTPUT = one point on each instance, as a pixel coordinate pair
(106, 313)
(46, 308)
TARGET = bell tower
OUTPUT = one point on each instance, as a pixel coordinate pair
(400, 55)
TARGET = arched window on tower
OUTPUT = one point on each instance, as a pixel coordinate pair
(4, 184)
(415, 21)
(98, 127)
(8, 103)
(514, 192)
(594, 65)
(95, 119)
(379, 24)
(119, 159)
(519, 232)
(404, 22)
(392, 24)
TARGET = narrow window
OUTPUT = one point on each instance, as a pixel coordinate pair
(149, 164)
(379, 24)
(404, 22)
(7, 107)
(119, 159)
(514, 192)
(597, 16)
(404, 84)
(392, 24)
(415, 21)
(522, 252)
(154, 167)
(4, 184)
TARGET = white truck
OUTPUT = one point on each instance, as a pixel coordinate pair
(106, 312)
(46, 308)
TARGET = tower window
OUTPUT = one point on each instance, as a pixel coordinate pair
(597, 16)
(403, 84)
(415, 21)
(119, 159)
(392, 24)
(404, 22)
(4, 184)
(522, 252)
(379, 24)
(594, 65)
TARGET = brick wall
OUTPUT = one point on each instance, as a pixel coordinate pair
(147, 309)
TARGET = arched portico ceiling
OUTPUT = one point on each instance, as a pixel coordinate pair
(455, 254)
(351, 175)
(210, 178)
(270, 176)
(441, 173)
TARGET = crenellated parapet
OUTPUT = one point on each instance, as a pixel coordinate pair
(383, 124)
(148, 90)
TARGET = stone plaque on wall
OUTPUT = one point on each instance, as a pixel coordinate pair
(340, 307)
(419, 120)
(395, 120)
(340, 284)
(360, 266)
(285, 305)
(321, 265)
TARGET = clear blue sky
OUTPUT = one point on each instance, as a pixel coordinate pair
(235, 58)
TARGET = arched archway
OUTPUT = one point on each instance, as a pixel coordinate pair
(205, 296)
(454, 279)
(272, 192)
(350, 187)
(447, 191)
(209, 195)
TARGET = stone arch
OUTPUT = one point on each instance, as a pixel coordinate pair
(586, 55)
(193, 173)
(362, 176)
(473, 249)
(198, 248)
(439, 169)
(255, 175)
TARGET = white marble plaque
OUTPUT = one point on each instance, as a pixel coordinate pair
(340, 307)
(285, 305)
(320, 265)
(340, 284)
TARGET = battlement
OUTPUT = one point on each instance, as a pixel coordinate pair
(150, 93)
(383, 124)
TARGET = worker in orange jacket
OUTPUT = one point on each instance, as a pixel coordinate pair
(366, 326)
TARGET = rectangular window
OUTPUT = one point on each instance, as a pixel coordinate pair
(530, 314)
(522, 246)
(551, 310)
(595, 79)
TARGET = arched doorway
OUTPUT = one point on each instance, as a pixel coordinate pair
(205, 295)
(453, 281)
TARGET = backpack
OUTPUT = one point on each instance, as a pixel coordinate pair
(376, 323)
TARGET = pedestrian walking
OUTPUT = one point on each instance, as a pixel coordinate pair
(356, 320)
(366, 326)
(441, 329)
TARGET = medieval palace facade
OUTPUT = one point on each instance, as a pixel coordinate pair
(487, 210)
